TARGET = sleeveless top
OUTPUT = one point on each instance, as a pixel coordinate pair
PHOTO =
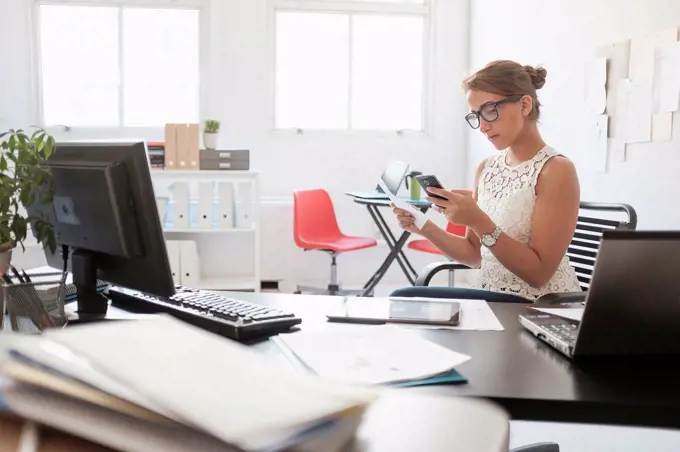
(508, 195)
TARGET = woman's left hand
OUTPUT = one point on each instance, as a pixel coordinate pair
(459, 207)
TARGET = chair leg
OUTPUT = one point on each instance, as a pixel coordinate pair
(452, 278)
(333, 286)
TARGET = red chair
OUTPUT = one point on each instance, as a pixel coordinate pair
(316, 228)
(426, 246)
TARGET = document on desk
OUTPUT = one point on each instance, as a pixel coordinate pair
(474, 315)
(370, 354)
(243, 399)
(418, 215)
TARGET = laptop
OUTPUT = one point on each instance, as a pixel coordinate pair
(632, 306)
(393, 176)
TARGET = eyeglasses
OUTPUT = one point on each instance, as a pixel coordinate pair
(489, 111)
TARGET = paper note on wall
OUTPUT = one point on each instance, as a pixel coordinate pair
(667, 78)
(597, 142)
(641, 69)
(596, 79)
(662, 126)
(638, 115)
(618, 61)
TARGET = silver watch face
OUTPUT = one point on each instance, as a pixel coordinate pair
(488, 240)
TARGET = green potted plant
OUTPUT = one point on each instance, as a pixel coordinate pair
(210, 131)
(24, 180)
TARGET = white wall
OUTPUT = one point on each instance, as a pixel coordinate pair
(237, 91)
(560, 35)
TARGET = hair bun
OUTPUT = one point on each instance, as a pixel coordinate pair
(537, 75)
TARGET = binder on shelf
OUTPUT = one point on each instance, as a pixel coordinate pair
(194, 145)
(180, 194)
(182, 133)
(225, 205)
(205, 204)
(190, 263)
(246, 205)
(170, 146)
(162, 206)
(174, 258)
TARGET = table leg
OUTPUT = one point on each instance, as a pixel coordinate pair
(396, 252)
(411, 274)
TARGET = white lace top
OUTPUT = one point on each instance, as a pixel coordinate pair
(508, 195)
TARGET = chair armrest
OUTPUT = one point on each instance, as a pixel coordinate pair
(428, 272)
(538, 447)
(563, 297)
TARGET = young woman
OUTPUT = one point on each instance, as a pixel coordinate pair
(524, 206)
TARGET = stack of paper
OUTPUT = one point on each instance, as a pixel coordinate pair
(372, 355)
(164, 385)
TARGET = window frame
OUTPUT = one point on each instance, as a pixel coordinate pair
(424, 10)
(120, 131)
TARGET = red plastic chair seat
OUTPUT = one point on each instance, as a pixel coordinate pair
(316, 227)
(342, 244)
(424, 246)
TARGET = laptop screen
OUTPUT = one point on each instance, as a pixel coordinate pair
(394, 175)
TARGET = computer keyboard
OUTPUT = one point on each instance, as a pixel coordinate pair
(566, 332)
(225, 316)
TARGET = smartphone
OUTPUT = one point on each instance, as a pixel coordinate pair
(427, 181)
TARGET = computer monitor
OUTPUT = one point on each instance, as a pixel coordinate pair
(394, 175)
(104, 211)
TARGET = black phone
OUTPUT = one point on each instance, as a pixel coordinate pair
(427, 181)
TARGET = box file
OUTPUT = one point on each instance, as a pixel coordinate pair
(205, 205)
(180, 194)
(225, 205)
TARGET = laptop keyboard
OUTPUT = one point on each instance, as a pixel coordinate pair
(564, 331)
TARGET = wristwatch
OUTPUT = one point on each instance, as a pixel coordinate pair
(489, 240)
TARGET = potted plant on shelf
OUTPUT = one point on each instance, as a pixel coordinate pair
(210, 132)
(25, 179)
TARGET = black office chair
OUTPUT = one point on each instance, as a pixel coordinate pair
(582, 250)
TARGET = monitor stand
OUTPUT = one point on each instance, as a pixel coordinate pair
(92, 305)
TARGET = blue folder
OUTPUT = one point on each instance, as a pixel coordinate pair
(452, 377)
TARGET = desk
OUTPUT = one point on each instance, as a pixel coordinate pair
(526, 377)
(396, 245)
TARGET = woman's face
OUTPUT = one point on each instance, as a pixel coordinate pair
(500, 118)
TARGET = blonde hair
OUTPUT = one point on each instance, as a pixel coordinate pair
(508, 78)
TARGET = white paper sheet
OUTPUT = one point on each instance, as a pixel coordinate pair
(638, 111)
(420, 217)
(662, 126)
(371, 355)
(641, 69)
(618, 150)
(618, 62)
(573, 314)
(667, 78)
(596, 81)
(597, 142)
(475, 315)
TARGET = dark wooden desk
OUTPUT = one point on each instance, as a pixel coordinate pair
(395, 244)
(529, 379)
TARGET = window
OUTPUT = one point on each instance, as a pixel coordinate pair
(105, 66)
(355, 69)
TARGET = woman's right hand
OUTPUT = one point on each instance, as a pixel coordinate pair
(406, 220)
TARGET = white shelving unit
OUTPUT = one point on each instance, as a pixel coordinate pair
(220, 250)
